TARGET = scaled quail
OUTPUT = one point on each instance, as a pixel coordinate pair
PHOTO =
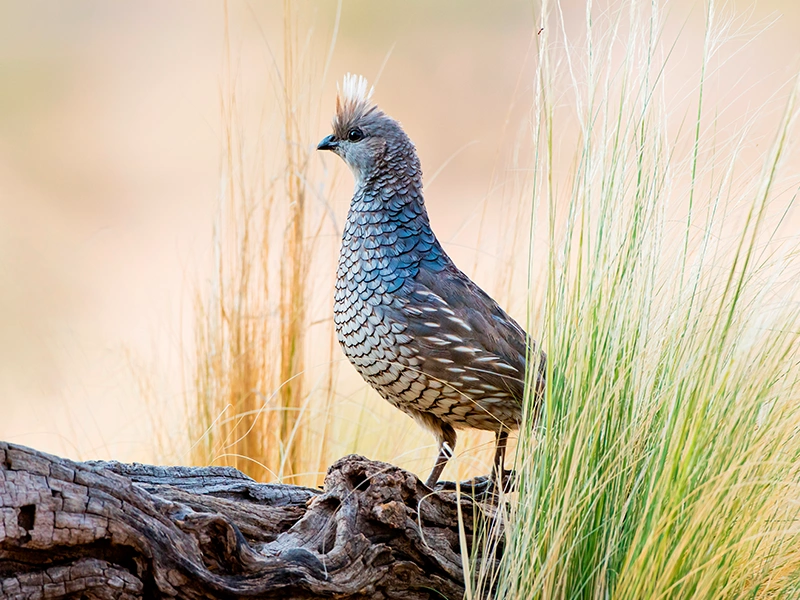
(427, 338)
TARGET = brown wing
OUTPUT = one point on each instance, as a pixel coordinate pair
(464, 335)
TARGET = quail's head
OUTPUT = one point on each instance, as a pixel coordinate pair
(363, 136)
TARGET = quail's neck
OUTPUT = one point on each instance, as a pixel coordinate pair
(393, 195)
(394, 180)
(388, 224)
(397, 171)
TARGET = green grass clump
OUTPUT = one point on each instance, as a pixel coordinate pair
(665, 461)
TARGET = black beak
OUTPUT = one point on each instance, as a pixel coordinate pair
(329, 143)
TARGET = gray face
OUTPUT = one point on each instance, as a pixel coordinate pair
(361, 155)
(364, 143)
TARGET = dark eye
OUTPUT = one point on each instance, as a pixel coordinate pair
(354, 135)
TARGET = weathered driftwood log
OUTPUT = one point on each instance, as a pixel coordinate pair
(111, 530)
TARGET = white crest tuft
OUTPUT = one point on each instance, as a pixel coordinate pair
(354, 89)
(352, 100)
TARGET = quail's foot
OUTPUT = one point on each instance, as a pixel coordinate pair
(480, 487)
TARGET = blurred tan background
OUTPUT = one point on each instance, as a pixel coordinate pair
(110, 145)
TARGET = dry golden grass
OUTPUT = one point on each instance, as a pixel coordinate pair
(248, 393)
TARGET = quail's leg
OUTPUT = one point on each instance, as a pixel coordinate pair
(499, 454)
(483, 485)
(500, 478)
(447, 444)
(438, 467)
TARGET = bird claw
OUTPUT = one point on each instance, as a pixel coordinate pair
(472, 487)
(481, 487)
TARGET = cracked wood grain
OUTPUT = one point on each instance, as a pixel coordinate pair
(102, 530)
